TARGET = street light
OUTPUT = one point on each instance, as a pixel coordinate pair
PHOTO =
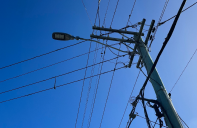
(62, 36)
(65, 37)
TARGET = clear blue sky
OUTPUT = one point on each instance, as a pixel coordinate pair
(26, 28)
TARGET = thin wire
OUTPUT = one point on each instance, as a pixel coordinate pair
(90, 83)
(41, 55)
(86, 70)
(114, 12)
(58, 86)
(94, 99)
(183, 122)
(155, 122)
(51, 65)
(55, 76)
(152, 121)
(109, 90)
(160, 18)
(112, 52)
(183, 70)
(95, 94)
(131, 12)
(175, 15)
(129, 99)
(106, 13)
(87, 12)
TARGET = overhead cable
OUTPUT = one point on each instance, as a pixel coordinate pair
(129, 99)
(87, 12)
(58, 86)
(86, 68)
(131, 13)
(52, 64)
(152, 121)
(183, 70)
(57, 76)
(175, 15)
(90, 83)
(95, 94)
(160, 18)
(41, 55)
(106, 13)
(109, 90)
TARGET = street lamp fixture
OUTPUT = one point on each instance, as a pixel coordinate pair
(62, 36)
(65, 37)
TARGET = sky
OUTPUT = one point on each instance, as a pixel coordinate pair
(26, 31)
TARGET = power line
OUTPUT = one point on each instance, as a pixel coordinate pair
(109, 90)
(51, 64)
(131, 12)
(56, 76)
(175, 15)
(41, 55)
(58, 86)
(95, 94)
(87, 12)
(114, 13)
(183, 70)
(152, 121)
(162, 13)
(128, 100)
(86, 69)
(106, 13)
(83, 86)
(94, 99)
(90, 82)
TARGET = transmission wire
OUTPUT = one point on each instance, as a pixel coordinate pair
(160, 18)
(85, 73)
(128, 100)
(175, 15)
(94, 99)
(58, 86)
(41, 55)
(51, 65)
(183, 71)
(109, 90)
(55, 76)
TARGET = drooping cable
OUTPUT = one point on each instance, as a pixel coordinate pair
(41, 55)
(59, 86)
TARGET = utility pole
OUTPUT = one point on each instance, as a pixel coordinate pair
(163, 100)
